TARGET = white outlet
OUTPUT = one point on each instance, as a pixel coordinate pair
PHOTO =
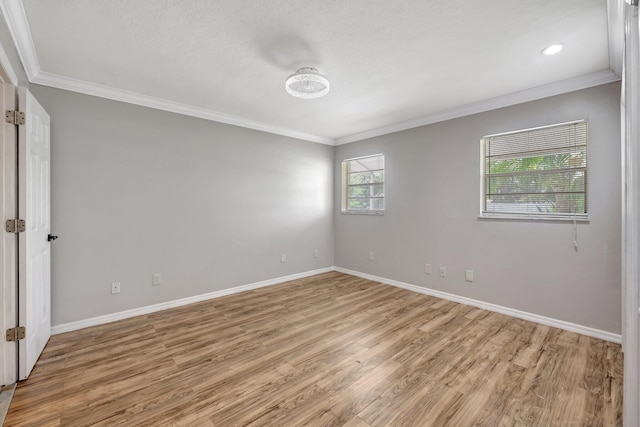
(316, 253)
(443, 272)
(468, 275)
(427, 269)
(156, 279)
(115, 287)
(283, 258)
(371, 256)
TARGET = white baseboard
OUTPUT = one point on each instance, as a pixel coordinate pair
(548, 321)
(107, 318)
(561, 324)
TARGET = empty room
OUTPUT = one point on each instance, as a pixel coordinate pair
(320, 213)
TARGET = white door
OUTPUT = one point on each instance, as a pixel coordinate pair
(34, 249)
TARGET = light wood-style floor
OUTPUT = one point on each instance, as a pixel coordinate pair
(329, 350)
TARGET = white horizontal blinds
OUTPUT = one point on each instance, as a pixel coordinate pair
(539, 171)
(365, 183)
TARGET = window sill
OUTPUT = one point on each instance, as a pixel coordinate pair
(376, 213)
(534, 218)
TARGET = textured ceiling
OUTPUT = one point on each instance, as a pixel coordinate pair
(388, 61)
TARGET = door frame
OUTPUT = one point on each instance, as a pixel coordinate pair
(8, 241)
(630, 156)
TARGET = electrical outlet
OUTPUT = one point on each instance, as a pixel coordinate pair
(427, 269)
(371, 256)
(115, 287)
(283, 258)
(316, 253)
(443, 272)
(468, 275)
(156, 279)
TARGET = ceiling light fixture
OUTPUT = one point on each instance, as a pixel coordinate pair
(307, 83)
(552, 50)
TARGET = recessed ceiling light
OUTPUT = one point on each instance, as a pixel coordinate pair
(552, 50)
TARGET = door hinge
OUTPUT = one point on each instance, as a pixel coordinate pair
(14, 117)
(15, 226)
(16, 334)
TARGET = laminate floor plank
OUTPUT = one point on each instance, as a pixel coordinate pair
(356, 422)
(327, 350)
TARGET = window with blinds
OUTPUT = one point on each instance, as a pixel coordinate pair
(536, 173)
(363, 185)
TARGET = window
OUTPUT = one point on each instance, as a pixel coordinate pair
(363, 185)
(536, 173)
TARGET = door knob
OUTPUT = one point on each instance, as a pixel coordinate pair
(51, 238)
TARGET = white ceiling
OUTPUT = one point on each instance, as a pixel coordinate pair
(392, 64)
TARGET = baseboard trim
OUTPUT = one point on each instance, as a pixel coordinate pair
(6, 395)
(108, 318)
(543, 320)
(548, 321)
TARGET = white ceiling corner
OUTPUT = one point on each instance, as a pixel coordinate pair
(80, 86)
(18, 24)
(539, 92)
(393, 65)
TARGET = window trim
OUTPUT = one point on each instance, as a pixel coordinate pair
(344, 185)
(544, 217)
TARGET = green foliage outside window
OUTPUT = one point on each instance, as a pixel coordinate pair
(363, 184)
(537, 171)
(552, 183)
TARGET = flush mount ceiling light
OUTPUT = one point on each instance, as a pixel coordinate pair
(307, 83)
(552, 50)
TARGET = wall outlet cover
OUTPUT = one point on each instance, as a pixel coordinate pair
(468, 275)
(427, 269)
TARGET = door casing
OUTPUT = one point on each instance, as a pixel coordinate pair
(8, 241)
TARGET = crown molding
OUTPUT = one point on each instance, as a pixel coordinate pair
(538, 92)
(18, 24)
(94, 89)
(16, 18)
(75, 85)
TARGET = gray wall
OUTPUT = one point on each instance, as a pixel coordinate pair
(432, 205)
(210, 206)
